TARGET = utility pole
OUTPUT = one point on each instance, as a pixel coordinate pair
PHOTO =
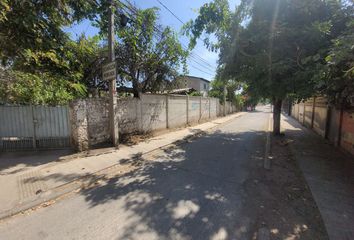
(112, 83)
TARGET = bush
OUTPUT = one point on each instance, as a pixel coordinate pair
(26, 88)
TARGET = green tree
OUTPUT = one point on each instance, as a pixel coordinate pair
(335, 78)
(148, 56)
(276, 47)
(32, 80)
(36, 27)
(42, 64)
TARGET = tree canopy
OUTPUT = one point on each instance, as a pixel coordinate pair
(281, 48)
(35, 51)
(148, 55)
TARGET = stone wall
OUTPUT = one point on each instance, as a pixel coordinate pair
(89, 123)
(78, 121)
(90, 117)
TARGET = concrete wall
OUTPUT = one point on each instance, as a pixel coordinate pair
(78, 120)
(333, 128)
(320, 116)
(214, 102)
(308, 111)
(329, 122)
(205, 109)
(90, 117)
(129, 115)
(153, 112)
(301, 113)
(98, 121)
(194, 110)
(89, 123)
(347, 136)
(177, 111)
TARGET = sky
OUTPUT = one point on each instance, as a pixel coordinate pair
(185, 10)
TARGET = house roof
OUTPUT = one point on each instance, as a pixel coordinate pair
(199, 78)
(182, 90)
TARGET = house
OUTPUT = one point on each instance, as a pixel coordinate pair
(199, 84)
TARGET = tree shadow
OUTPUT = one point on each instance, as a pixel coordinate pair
(15, 162)
(198, 190)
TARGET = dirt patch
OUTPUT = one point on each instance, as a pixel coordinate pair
(134, 138)
(281, 198)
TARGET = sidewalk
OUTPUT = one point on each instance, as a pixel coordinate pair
(23, 190)
(330, 176)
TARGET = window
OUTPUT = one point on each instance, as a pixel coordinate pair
(205, 86)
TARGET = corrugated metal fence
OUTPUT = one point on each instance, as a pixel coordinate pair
(34, 127)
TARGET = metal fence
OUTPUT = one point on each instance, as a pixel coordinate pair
(34, 127)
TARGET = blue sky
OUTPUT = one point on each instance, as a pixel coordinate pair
(185, 10)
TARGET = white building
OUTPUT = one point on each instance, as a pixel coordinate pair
(199, 84)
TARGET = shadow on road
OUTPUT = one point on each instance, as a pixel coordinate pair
(210, 188)
(192, 190)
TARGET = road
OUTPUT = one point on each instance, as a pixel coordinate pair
(192, 191)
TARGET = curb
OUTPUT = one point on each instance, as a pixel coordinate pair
(50, 196)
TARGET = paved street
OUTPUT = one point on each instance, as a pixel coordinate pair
(192, 191)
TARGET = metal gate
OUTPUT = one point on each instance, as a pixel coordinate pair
(34, 127)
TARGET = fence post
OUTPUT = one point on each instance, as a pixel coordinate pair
(200, 108)
(34, 122)
(313, 111)
(328, 121)
(340, 126)
(167, 125)
(209, 99)
(187, 109)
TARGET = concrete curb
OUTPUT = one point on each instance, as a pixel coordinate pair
(46, 198)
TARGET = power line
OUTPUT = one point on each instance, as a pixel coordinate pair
(170, 11)
(193, 56)
(179, 19)
(211, 74)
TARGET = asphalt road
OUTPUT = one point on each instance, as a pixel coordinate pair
(192, 191)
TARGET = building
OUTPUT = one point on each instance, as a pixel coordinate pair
(199, 84)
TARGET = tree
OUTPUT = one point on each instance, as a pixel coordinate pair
(148, 56)
(37, 81)
(335, 78)
(217, 89)
(276, 47)
(40, 63)
(36, 27)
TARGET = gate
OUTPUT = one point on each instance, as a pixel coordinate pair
(34, 127)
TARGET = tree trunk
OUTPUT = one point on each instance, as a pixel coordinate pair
(136, 88)
(276, 116)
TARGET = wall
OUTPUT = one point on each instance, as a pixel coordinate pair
(90, 117)
(89, 123)
(320, 116)
(347, 136)
(129, 112)
(153, 112)
(193, 110)
(177, 111)
(329, 122)
(333, 128)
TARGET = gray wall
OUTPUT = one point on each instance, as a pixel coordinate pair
(90, 119)
(337, 125)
